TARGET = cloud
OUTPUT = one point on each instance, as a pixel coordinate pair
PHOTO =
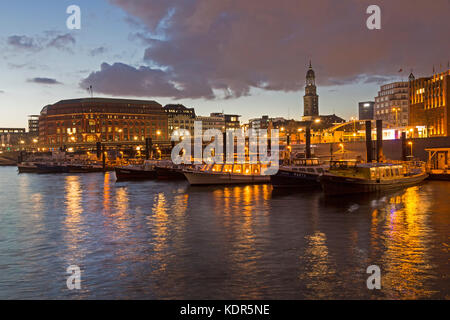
(48, 39)
(97, 51)
(229, 47)
(121, 79)
(23, 42)
(44, 81)
(63, 41)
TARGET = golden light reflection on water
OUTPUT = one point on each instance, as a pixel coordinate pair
(242, 211)
(405, 237)
(73, 218)
(319, 268)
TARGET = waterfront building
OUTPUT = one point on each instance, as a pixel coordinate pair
(392, 104)
(365, 110)
(310, 99)
(180, 117)
(12, 130)
(429, 104)
(110, 121)
(259, 123)
(33, 125)
(220, 121)
(231, 120)
(212, 122)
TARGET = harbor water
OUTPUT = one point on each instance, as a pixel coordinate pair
(168, 240)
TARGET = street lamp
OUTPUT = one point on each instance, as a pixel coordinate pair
(396, 110)
(411, 145)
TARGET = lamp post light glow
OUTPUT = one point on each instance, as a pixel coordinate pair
(411, 145)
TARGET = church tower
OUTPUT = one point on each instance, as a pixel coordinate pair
(310, 99)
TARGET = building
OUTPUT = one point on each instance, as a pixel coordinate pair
(33, 125)
(11, 137)
(392, 104)
(310, 99)
(365, 110)
(231, 120)
(180, 117)
(112, 121)
(429, 104)
(12, 130)
(212, 122)
(259, 123)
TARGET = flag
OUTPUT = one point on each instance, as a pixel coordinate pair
(400, 70)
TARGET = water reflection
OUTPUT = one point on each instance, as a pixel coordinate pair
(171, 241)
(73, 221)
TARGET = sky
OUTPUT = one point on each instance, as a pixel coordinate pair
(242, 57)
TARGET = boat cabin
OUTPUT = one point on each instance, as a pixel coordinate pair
(245, 169)
(369, 171)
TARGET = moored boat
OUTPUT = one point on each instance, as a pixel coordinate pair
(145, 171)
(301, 173)
(52, 168)
(215, 174)
(27, 167)
(169, 171)
(351, 177)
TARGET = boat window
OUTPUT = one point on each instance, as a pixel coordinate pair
(311, 170)
(237, 168)
(387, 172)
(373, 173)
(396, 172)
(255, 169)
(319, 170)
(217, 168)
(227, 168)
(302, 169)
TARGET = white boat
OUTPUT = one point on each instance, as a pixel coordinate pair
(211, 174)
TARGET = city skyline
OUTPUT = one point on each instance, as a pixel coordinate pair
(238, 63)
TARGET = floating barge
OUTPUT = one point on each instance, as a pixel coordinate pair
(351, 177)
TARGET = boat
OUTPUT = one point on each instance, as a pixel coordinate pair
(438, 165)
(52, 168)
(215, 174)
(145, 171)
(352, 177)
(167, 170)
(27, 167)
(300, 173)
(85, 168)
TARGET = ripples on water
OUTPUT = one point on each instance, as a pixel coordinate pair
(167, 240)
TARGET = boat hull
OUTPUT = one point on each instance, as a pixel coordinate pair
(289, 179)
(27, 169)
(439, 176)
(134, 174)
(338, 185)
(163, 173)
(197, 178)
(44, 168)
